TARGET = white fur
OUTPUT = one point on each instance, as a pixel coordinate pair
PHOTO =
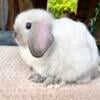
(72, 54)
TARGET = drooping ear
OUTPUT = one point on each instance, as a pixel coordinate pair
(40, 38)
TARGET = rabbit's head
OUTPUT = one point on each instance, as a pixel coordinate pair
(33, 29)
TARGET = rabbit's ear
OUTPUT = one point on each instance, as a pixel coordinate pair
(40, 38)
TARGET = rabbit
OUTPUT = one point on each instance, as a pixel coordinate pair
(59, 50)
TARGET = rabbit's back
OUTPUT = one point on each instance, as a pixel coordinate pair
(76, 49)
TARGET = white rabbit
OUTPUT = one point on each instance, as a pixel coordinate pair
(59, 50)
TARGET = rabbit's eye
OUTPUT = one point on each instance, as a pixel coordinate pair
(28, 25)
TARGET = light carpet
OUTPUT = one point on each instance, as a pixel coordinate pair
(15, 83)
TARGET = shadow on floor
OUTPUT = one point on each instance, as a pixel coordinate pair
(6, 38)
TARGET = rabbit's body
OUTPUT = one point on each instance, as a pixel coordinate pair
(72, 55)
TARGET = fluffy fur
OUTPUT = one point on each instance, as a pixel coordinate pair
(73, 55)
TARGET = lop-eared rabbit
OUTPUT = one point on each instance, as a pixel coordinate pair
(58, 50)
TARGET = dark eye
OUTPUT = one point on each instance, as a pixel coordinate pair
(28, 25)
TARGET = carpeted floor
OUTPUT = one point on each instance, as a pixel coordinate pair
(15, 83)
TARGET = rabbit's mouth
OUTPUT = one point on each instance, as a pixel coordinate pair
(37, 49)
(36, 53)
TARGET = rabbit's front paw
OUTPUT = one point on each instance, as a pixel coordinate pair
(37, 78)
(48, 81)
